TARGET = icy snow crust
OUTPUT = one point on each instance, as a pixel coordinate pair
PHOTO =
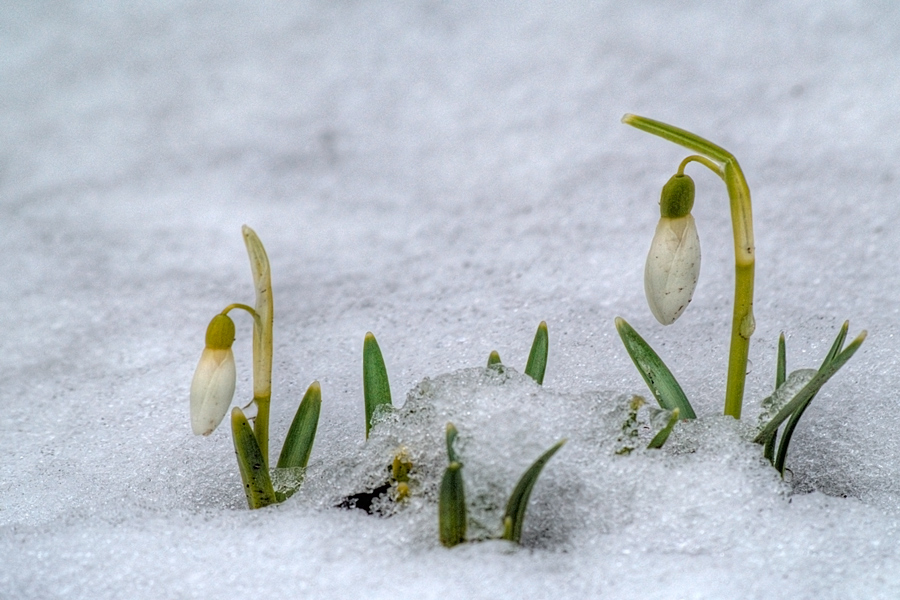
(446, 175)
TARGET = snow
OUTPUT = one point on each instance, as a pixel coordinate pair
(445, 176)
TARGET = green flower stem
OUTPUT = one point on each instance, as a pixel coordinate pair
(256, 320)
(712, 166)
(743, 323)
(262, 338)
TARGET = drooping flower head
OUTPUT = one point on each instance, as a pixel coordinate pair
(673, 263)
(213, 386)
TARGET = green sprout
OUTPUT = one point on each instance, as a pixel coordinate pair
(661, 419)
(376, 387)
(794, 392)
(452, 513)
(212, 391)
(654, 371)
(537, 357)
(514, 518)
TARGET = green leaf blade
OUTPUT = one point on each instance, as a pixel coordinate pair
(679, 136)
(452, 433)
(376, 387)
(654, 371)
(837, 345)
(514, 518)
(494, 359)
(660, 438)
(794, 418)
(452, 514)
(781, 362)
(537, 358)
(254, 473)
(805, 395)
(302, 434)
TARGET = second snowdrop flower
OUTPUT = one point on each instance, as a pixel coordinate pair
(213, 386)
(673, 263)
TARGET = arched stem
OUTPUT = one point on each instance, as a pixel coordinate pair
(256, 320)
(743, 323)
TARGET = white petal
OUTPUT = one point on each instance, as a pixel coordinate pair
(673, 267)
(212, 389)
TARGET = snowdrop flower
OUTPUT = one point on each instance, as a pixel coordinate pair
(213, 386)
(673, 263)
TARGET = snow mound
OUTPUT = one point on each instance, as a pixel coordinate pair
(597, 483)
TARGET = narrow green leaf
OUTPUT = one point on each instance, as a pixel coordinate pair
(781, 363)
(679, 136)
(837, 345)
(494, 359)
(786, 435)
(780, 378)
(654, 371)
(537, 358)
(452, 507)
(660, 438)
(300, 437)
(794, 419)
(769, 449)
(806, 394)
(451, 439)
(518, 501)
(251, 463)
(376, 388)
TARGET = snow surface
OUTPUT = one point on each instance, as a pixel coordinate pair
(446, 175)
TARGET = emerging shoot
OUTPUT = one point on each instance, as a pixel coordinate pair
(376, 387)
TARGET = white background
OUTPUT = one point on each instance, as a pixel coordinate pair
(446, 175)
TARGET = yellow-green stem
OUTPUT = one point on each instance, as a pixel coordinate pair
(248, 309)
(261, 425)
(743, 323)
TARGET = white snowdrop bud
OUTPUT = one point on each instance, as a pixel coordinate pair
(673, 263)
(213, 386)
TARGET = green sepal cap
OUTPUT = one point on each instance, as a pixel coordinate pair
(677, 198)
(220, 333)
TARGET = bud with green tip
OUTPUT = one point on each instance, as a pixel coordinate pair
(673, 263)
(213, 386)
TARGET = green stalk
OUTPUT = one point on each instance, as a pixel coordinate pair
(742, 324)
(262, 338)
